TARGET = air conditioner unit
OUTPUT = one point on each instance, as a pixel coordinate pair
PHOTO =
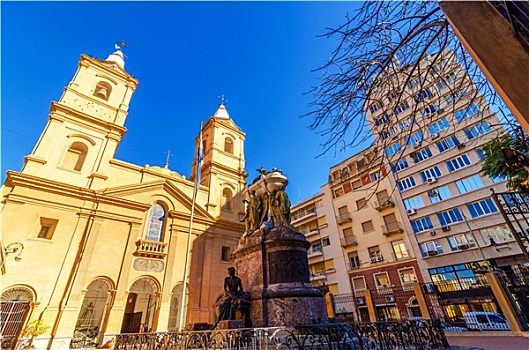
(354, 243)
(432, 252)
(432, 233)
(411, 211)
(360, 301)
(431, 180)
(461, 146)
(464, 246)
(390, 298)
(417, 144)
(375, 259)
(434, 136)
(445, 228)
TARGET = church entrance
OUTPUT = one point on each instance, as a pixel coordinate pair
(140, 310)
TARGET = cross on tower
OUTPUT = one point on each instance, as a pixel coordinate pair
(223, 100)
(121, 44)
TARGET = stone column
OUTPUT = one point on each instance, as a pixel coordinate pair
(419, 294)
(370, 306)
(330, 305)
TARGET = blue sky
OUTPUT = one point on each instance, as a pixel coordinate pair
(260, 55)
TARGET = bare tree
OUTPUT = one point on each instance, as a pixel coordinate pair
(391, 52)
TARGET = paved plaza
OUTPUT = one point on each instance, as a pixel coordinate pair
(492, 341)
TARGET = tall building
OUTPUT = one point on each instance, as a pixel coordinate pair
(433, 124)
(379, 257)
(105, 242)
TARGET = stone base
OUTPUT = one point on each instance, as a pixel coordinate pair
(230, 324)
(273, 267)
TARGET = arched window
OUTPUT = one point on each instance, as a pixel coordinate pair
(228, 145)
(91, 314)
(14, 307)
(155, 221)
(75, 156)
(103, 90)
(226, 199)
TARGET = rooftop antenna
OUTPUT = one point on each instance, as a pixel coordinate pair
(169, 154)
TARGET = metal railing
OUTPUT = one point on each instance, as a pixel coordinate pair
(344, 218)
(150, 248)
(348, 240)
(426, 335)
(392, 228)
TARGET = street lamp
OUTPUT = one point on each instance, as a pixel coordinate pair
(15, 247)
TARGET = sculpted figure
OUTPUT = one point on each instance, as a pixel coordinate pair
(280, 206)
(232, 300)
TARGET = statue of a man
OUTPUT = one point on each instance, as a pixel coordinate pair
(280, 206)
(233, 292)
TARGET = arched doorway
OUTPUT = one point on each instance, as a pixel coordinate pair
(15, 305)
(92, 313)
(141, 306)
(414, 311)
(175, 308)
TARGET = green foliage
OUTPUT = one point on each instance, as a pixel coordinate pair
(34, 329)
(495, 165)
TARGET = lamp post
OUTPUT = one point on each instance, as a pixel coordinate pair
(12, 248)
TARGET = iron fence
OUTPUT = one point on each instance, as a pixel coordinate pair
(516, 281)
(361, 336)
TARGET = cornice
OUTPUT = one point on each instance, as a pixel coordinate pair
(109, 68)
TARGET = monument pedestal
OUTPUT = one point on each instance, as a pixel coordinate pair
(274, 268)
(230, 324)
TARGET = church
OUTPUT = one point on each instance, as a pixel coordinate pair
(111, 247)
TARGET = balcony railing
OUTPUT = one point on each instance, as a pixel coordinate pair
(346, 241)
(150, 249)
(300, 216)
(392, 228)
(343, 218)
(383, 204)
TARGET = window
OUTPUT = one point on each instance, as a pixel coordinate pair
(155, 221)
(476, 130)
(431, 248)
(413, 82)
(466, 112)
(47, 228)
(450, 216)
(460, 242)
(359, 283)
(402, 107)
(361, 204)
(481, 208)
(433, 172)
(406, 183)
(406, 123)
(407, 275)
(375, 107)
(103, 90)
(383, 119)
(421, 155)
(399, 165)
(497, 234)
(421, 224)
(225, 254)
(375, 176)
(228, 145)
(317, 247)
(382, 279)
(439, 194)
(354, 261)
(357, 184)
(75, 156)
(480, 153)
(438, 66)
(436, 127)
(457, 163)
(413, 202)
(429, 111)
(422, 95)
(226, 199)
(393, 95)
(391, 150)
(414, 139)
(447, 143)
(400, 250)
(368, 226)
(374, 251)
(325, 241)
(469, 184)
(338, 192)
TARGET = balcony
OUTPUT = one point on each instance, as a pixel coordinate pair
(347, 241)
(302, 216)
(343, 218)
(314, 254)
(311, 233)
(392, 228)
(318, 276)
(150, 249)
(384, 204)
(354, 266)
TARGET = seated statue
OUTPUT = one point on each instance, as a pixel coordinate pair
(233, 300)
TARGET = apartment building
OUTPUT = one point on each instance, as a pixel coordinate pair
(380, 260)
(433, 123)
(314, 217)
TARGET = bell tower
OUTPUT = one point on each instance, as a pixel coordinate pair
(86, 125)
(223, 165)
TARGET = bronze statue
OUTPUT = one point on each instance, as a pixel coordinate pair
(232, 300)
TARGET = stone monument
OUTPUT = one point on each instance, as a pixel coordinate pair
(271, 258)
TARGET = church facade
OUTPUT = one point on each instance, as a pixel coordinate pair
(105, 242)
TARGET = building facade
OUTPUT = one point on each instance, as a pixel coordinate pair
(105, 242)
(433, 134)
